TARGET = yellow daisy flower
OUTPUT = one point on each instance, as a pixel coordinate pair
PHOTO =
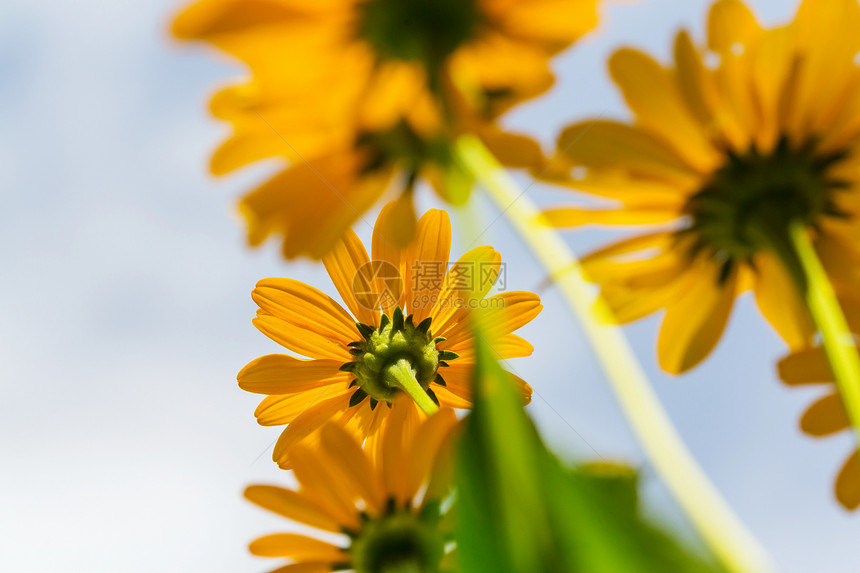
(360, 94)
(728, 146)
(409, 323)
(827, 415)
(387, 511)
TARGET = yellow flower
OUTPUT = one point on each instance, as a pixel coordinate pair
(408, 317)
(386, 510)
(827, 415)
(363, 95)
(728, 146)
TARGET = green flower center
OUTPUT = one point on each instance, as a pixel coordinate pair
(399, 541)
(749, 203)
(423, 30)
(396, 348)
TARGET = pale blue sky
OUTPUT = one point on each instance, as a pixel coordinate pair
(126, 314)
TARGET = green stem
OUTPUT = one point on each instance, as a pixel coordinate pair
(729, 539)
(839, 343)
(401, 375)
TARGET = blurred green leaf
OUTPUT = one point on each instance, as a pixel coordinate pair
(519, 510)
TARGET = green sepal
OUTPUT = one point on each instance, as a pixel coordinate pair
(356, 351)
(383, 322)
(353, 383)
(447, 355)
(373, 403)
(357, 397)
(439, 380)
(397, 319)
(365, 330)
(424, 326)
(348, 367)
(432, 395)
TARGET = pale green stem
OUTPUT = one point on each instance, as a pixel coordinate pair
(721, 529)
(401, 375)
(839, 342)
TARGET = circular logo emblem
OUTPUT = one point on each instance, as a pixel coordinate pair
(377, 284)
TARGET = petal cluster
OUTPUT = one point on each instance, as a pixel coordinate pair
(727, 145)
(345, 490)
(304, 394)
(360, 96)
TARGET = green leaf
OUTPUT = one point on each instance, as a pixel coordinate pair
(519, 510)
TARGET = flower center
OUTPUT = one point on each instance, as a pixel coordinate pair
(424, 30)
(400, 540)
(397, 348)
(749, 203)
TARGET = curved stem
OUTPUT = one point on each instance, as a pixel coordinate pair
(401, 375)
(839, 343)
(726, 535)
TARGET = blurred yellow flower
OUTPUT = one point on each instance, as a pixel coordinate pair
(737, 139)
(827, 415)
(386, 510)
(363, 95)
(413, 319)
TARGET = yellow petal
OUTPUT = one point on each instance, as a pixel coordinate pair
(466, 282)
(449, 399)
(512, 149)
(208, 18)
(282, 374)
(431, 434)
(305, 567)
(555, 23)
(574, 217)
(301, 340)
(826, 416)
(773, 64)
(652, 94)
(392, 91)
(426, 261)
(314, 472)
(617, 184)
(731, 23)
(305, 307)
(498, 316)
(348, 264)
(307, 423)
(297, 547)
(826, 68)
(313, 204)
(780, 303)
(809, 366)
(695, 322)
(393, 281)
(292, 505)
(848, 482)
(604, 144)
(697, 87)
(353, 464)
(281, 409)
(397, 439)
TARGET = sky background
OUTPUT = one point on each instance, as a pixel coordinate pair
(125, 313)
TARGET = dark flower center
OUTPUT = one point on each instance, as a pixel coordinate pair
(749, 204)
(419, 30)
(397, 339)
(399, 540)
